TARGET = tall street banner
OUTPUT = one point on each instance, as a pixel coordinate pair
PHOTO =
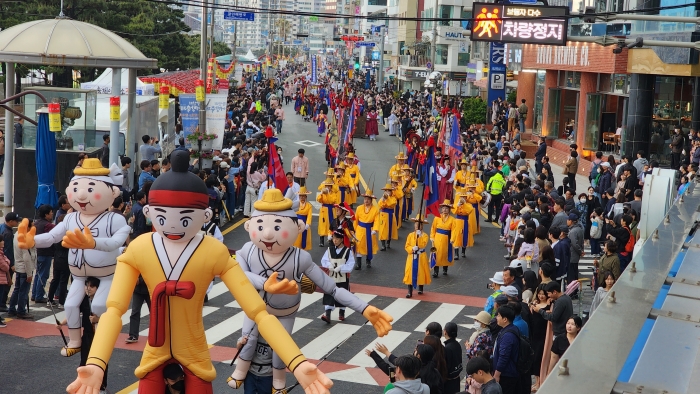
(189, 111)
(216, 117)
(314, 76)
(497, 72)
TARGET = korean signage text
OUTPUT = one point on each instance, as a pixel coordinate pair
(519, 24)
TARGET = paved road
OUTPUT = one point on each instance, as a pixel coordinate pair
(32, 364)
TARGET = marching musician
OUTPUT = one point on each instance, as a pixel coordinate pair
(366, 225)
(441, 236)
(386, 227)
(395, 170)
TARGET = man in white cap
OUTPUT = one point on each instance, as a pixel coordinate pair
(496, 283)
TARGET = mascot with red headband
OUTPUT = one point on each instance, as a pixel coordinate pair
(178, 263)
(270, 254)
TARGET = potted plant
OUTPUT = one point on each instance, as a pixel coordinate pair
(206, 158)
(208, 141)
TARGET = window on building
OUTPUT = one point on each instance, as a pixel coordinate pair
(445, 13)
(426, 25)
(441, 54)
(466, 15)
(376, 2)
(462, 59)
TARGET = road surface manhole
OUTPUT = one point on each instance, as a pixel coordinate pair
(46, 341)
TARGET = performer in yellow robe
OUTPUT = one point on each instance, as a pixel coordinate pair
(462, 176)
(395, 170)
(442, 234)
(328, 197)
(417, 271)
(397, 193)
(343, 183)
(409, 187)
(465, 223)
(386, 226)
(366, 226)
(352, 171)
(476, 185)
(304, 214)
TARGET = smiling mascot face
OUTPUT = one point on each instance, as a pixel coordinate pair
(91, 191)
(273, 226)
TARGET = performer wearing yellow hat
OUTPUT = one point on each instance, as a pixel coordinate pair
(465, 222)
(475, 184)
(395, 170)
(397, 193)
(352, 171)
(386, 228)
(328, 197)
(441, 235)
(417, 271)
(462, 176)
(409, 185)
(304, 214)
(366, 226)
(342, 180)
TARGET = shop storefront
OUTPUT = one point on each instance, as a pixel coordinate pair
(412, 78)
(575, 92)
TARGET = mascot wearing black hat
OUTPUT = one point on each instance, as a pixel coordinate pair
(178, 263)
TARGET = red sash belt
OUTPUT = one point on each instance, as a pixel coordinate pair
(170, 288)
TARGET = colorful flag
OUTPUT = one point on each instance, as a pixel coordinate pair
(274, 168)
(455, 137)
(432, 201)
(351, 126)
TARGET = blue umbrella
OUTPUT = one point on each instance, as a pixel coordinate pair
(45, 163)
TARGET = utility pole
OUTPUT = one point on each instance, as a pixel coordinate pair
(380, 69)
(203, 66)
(433, 46)
(235, 38)
(211, 40)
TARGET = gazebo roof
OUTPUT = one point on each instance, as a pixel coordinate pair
(67, 42)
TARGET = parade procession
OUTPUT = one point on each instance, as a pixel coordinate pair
(188, 209)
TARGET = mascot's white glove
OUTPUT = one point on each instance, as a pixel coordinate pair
(415, 249)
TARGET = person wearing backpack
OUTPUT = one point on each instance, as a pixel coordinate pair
(596, 232)
(593, 174)
(506, 352)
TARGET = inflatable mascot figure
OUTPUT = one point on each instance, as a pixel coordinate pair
(178, 263)
(273, 229)
(93, 235)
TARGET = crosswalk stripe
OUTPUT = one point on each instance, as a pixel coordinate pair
(443, 314)
(299, 323)
(217, 290)
(348, 312)
(50, 320)
(400, 307)
(391, 341)
(225, 328)
(320, 346)
(126, 317)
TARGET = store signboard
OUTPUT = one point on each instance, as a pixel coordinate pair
(416, 74)
(519, 24)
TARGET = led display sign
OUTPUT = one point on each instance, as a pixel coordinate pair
(519, 24)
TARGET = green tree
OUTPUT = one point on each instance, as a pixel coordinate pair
(512, 96)
(474, 110)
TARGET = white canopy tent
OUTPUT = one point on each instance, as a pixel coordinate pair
(103, 84)
(250, 56)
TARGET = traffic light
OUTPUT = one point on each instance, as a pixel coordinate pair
(357, 62)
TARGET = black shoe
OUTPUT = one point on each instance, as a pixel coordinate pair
(341, 315)
(464, 255)
(327, 317)
(320, 244)
(409, 295)
(435, 275)
(206, 298)
(358, 267)
(457, 256)
(369, 263)
(11, 314)
(41, 301)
